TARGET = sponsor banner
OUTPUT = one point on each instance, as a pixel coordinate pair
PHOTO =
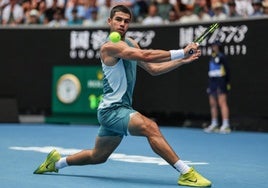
(29, 55)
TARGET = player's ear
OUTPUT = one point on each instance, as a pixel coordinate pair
(109, 21)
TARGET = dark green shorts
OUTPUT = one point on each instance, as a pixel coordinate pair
(114, 120)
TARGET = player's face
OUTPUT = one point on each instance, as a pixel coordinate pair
(120, 23)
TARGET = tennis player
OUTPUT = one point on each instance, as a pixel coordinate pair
(116, 116)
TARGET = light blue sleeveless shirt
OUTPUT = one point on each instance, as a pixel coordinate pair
(118, 83)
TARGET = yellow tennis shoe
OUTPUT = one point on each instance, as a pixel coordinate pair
(49, 164)
(193, 179)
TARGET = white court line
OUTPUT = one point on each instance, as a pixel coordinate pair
(115, 156)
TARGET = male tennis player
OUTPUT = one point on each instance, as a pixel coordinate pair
(115, 113)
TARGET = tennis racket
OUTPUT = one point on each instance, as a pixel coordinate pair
(205, 34)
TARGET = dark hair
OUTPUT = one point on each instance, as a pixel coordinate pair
(219, 44)
(120, 8)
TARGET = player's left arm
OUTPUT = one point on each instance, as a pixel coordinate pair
(164, 67)
(156, 68)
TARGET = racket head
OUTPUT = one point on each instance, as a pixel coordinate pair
(207, 32)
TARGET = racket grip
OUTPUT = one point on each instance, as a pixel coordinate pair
(191, 51)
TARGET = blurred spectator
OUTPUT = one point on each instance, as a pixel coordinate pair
(218, 11)
(257, 7)
(59, 3)
(244, 7)
(164, 8)
(93, 20)
(128, 3)
(89, 6)
(12, 14)
(188, 3)
(203, 15)
(140, 10)
(181, 7)
(100, 3)
(189, 16)
(3, 4)
(42, 7)
(232, 10)
(34, 4)
(75, 20)
(33, 18)
(152, 17)
(265, 7)
(50, 12)
(79, 8)
(202, 6)
(104, 11)
(58, 19)
(173, 17)
(168, 11)
(27, 7)
(176, 6)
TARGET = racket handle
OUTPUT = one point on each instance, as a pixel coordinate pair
(191, 51)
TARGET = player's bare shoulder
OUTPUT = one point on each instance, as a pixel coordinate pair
(111, 47)
(110, 51)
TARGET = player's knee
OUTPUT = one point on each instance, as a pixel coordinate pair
(152, 129)
(102, 160)
(99, 158)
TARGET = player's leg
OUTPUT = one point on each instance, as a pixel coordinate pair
(222, 100)
(140, 125)
(103, 148)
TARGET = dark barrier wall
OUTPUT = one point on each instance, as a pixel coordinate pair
(28, 56)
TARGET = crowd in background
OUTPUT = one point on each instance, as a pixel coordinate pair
(95, 12)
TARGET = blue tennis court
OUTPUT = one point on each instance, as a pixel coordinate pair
(235, 160)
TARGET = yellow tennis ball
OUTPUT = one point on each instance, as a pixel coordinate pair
(114, 37)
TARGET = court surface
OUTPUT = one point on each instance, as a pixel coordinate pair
(237, 160)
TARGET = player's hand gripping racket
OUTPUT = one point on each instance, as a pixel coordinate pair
(205, 34)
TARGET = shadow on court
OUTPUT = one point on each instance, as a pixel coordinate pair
(118, 180)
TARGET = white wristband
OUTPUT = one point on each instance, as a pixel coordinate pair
(176, 54)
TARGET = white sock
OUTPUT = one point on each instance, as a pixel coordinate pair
(225, 123)
(181, 167)
(61, 163)
(214, 122)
